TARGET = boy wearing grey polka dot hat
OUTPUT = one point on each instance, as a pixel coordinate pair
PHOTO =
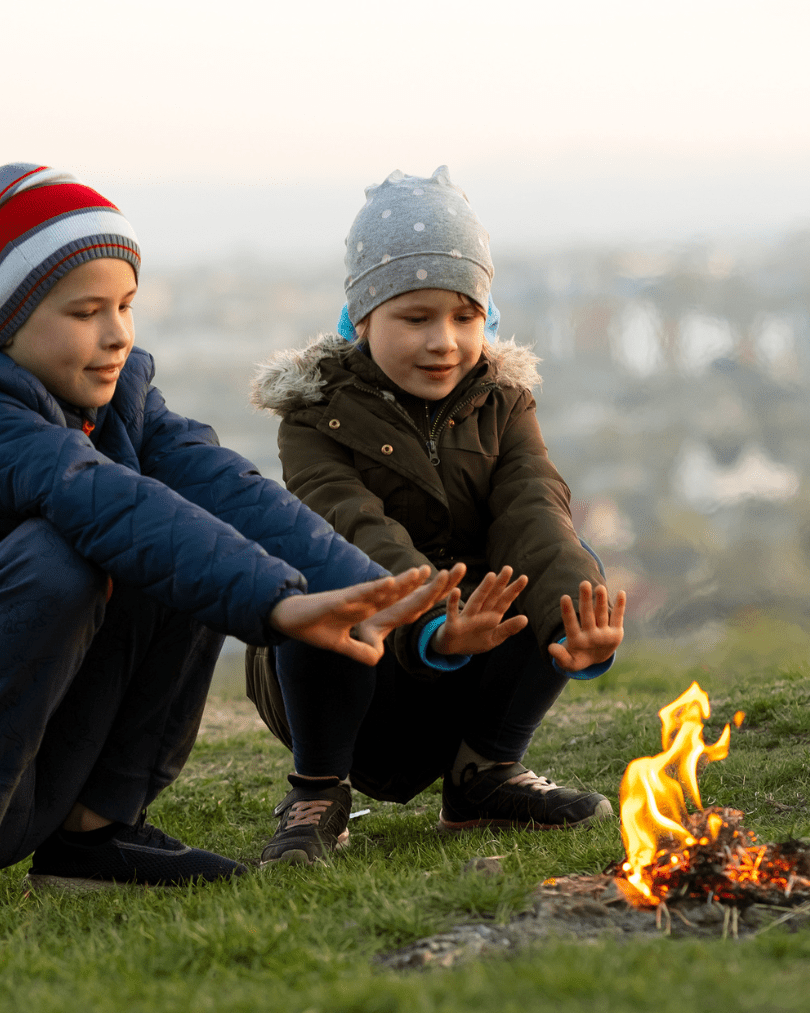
(413, 432)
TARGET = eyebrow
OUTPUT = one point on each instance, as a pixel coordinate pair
(98, 298)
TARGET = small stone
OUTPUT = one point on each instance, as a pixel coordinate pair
(490, 866)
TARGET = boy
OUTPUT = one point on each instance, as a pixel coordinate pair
(130, 543)
(414, 433)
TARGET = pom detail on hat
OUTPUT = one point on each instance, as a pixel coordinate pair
(49, 224)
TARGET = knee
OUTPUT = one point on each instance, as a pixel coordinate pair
(42, 576)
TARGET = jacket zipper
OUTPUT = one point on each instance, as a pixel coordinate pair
(435, 429)
(439, 424)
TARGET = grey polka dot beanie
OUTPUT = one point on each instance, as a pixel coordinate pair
(414, 233)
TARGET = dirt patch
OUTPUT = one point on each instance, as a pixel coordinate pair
(587, 908)
(223, 719)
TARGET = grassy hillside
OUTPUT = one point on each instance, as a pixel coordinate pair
(296, 940)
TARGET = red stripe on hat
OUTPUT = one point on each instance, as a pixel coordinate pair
(25, 175)
(74, 253)
(34, 207)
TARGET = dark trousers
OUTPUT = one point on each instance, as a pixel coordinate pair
(396, 733)
(100, 701)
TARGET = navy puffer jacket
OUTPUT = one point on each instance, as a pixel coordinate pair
(153, 500)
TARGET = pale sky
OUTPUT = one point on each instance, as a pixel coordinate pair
(577, 117)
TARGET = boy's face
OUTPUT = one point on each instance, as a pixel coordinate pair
(426, 341)
(79, 337)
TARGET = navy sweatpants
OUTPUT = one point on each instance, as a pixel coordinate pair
(396, 733)
(100, 701)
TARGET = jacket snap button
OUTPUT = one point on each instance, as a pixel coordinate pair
(387, 448)
(451, 423)
(334, 423)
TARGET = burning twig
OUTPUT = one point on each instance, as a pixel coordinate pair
(672, 855)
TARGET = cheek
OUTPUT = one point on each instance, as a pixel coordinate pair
(475, 345)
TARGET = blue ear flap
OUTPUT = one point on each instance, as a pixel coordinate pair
(345, 327)
(492, 322)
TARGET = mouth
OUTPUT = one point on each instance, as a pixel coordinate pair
(436, 370)
(114, 368)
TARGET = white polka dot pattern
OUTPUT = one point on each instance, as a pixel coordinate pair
(421, 233)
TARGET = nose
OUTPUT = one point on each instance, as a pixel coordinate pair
(118, 332)
(441, 337)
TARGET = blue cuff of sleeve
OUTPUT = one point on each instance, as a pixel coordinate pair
(444, 662)
(587, 673)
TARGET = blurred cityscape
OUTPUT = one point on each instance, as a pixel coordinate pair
(674, 402)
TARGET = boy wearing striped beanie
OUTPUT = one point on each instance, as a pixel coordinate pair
(130, 544)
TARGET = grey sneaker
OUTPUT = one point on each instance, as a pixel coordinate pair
(314, 821)
(512, 796)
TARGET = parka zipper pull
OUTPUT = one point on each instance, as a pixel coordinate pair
(433, 451)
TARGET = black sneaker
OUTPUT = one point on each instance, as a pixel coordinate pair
(512, 796)
(140, 854)
(314, 821)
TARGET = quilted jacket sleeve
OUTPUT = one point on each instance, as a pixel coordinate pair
(139, 529)
(186, 456)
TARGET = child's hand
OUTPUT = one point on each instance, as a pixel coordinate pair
(369, 611)
(478, 627)
(595, 635)
(376, 628)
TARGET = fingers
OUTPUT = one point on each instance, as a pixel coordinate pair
(594, 609)
(562, 657)
(601, 609)
(495, 593)
(444, 582)
(451, 612)
(359, 650)
(381, 594)
(508, 629)
(587, 620)
(407, 608)
(569, 617)
(617, 616)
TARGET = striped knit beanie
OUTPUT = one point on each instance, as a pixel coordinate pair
(49, 224)
(413, 233)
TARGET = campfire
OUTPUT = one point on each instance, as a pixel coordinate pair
(707, 855)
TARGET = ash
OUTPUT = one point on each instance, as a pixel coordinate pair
(594, 907)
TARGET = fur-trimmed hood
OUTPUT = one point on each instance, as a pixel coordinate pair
(292, 379)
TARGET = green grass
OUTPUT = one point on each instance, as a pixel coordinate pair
(302, 940)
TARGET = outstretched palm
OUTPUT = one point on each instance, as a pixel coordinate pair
(355, 620)
(595, 635)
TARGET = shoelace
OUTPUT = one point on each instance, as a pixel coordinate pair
(307, 813)
(528, 779)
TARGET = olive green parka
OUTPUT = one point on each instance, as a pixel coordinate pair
(474, 483)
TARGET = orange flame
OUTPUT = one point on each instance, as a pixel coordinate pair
(653, 805)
